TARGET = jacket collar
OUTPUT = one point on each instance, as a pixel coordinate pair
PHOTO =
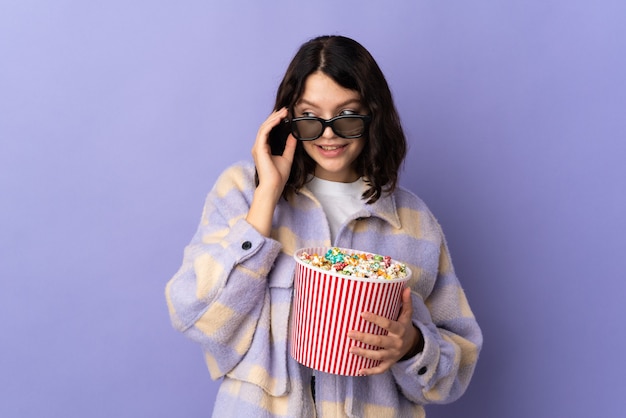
(384, 208)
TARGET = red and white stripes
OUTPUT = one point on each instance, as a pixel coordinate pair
(326, 306)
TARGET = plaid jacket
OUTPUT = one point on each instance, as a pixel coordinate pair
(233, 293)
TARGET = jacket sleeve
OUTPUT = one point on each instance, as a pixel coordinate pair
(218, 295)
(452, 340)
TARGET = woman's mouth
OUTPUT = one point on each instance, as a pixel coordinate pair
(330, 147)
(332, 150)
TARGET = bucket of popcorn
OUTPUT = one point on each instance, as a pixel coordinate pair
(332, 287)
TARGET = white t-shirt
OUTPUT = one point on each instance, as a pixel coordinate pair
(339, 200)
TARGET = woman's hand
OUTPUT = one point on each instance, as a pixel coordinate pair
(402, 338)
(273, 172)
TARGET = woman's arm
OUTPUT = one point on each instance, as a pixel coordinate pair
(431, 350)
(273, 173)
(217, 295)
(441, 372)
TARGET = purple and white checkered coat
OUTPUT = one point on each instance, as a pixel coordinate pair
(233, 294)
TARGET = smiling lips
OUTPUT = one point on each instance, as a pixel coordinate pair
(331, 147)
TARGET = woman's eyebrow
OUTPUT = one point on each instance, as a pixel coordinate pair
(340, 105)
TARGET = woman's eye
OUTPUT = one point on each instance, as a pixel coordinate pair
(347, 112)
(308, 114)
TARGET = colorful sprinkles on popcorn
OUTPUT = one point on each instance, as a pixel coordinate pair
(366, 265)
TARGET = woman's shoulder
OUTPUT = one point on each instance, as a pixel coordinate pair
(239, 175)
(407, 198)
(239, 170)
(411, 207)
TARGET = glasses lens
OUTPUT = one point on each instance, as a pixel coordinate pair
(349, 127)
(307, 129)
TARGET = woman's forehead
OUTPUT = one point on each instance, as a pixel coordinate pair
(322, 91)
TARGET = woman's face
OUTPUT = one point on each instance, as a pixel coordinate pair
(334, 156)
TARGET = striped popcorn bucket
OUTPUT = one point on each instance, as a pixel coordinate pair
(326, 305)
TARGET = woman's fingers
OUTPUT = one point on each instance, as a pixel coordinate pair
(261, 142)
(401, 336)
(273, 170)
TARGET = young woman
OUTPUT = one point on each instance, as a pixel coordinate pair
(334, 183)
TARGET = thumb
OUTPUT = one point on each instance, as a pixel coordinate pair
(406, 313)
(290, 148)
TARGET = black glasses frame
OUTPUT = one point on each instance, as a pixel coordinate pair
(330, 122)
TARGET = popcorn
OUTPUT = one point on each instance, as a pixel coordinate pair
(366, 265)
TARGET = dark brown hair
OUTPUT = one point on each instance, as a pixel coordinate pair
(351, 66)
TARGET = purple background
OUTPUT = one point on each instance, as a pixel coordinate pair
(116, 117)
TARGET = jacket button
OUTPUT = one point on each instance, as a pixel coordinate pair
(246, 245)
(422, 371)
